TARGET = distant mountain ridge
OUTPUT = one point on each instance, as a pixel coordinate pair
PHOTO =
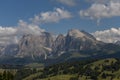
(76, 44)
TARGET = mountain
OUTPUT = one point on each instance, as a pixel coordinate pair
(44, 45)
(117, 43)
(59, 44)
(80, 45)
(45, 48)
(10, 50)
(35, 46)
(75, 41)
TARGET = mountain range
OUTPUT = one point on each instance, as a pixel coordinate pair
(48, 49)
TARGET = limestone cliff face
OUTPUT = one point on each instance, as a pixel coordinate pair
(78, 40)
(59, 44)
(35, 46)
(75, 40)
(45, 46)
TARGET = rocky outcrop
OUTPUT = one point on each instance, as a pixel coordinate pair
(75, 40)
(59, 44)
(35, 46)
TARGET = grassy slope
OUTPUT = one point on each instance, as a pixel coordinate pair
(13, 71)
(59, 77)
(97, 66)
(32, 76)
(34, 65)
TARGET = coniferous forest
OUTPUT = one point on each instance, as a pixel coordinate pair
(102, 69)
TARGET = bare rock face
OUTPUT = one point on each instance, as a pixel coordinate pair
(48, 49)
(2, 48)
(75, 33)
(44, 47)
(35, 46)
(59, 44)
(117, 43)
(75, 40)
(78, 40)
(10, 50)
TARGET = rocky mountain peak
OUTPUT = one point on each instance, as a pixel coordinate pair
(75, 40)
(35, 45)
(60, 36)
(59, 44)
(46, 47)
(75, 33)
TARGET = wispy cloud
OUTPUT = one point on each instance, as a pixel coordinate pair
(109, 36)
(67, 2)
(52, 16)
(27, 28)
(102, 9)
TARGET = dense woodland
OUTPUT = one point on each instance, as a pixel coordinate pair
(105, 69)
(86, 70)
(6, 75)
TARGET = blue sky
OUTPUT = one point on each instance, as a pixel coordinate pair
(58, 16)
(11, 11)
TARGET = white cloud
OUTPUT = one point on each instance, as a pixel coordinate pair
(102, 9)
(52, 16)
(68, 2)
(25, 28)
(108, 36)
(7, 35)
(12, 34)
(7, 31)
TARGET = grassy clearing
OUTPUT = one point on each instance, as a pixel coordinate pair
(59, 77)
